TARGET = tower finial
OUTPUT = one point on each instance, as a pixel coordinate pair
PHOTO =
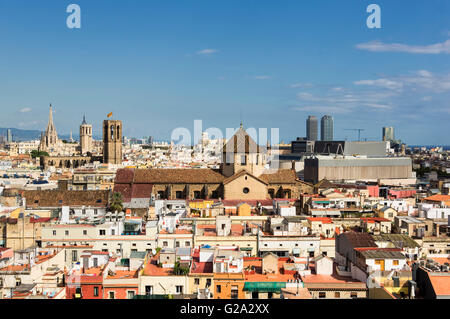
(242, 125)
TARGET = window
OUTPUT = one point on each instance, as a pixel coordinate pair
(165, 243)
(208, 282)
(196, 281)
(322, 294)
(54, 233)
(353, 295)
(74, 255)
(179, 290)
(95, 291)
(219, 288)
(18, 282)
(234, 292)
(337, 294)
(85, 232)
(179, 194)
(113, 232)
(243, 160)
(246, 190)
(148, 290)
(177, 244)
(130, 294)
(187, 244)
(395, 262)
(102, 232)
(111, 295)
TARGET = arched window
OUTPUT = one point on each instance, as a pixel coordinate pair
(112, 132)
(118, 132)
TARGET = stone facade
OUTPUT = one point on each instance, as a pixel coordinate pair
(112, 142)
(85, 137)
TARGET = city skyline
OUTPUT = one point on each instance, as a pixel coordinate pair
(159, 69)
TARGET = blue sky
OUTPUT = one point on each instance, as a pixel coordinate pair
(159, 65)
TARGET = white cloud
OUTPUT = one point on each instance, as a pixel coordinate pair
(385, 83)
(390, 93)
(321, 109)
(261, 77)
(378, 46)
(377, 106)
(25, 110)
(300, 85)
(207, 51)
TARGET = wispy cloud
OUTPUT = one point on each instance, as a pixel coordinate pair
(419, 80)
(207, 51)
(300, 85)
(396, 94)
(321, 109)
(378, 46)
(25, 110)
(385, 83)
(261, 77)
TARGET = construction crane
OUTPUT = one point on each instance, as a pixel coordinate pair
(356, 129)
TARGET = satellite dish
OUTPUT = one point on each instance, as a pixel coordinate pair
(154, 251)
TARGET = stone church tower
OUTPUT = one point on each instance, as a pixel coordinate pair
(112, 142)
(85, 137)
(242, 152)
(49, 140)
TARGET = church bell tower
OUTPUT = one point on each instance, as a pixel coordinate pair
(112, 142)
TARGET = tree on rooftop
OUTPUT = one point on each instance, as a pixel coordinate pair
(36, 153)
(180, 271)
(116, 202)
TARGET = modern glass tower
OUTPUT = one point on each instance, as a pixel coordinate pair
(326, 128)
(312, 128)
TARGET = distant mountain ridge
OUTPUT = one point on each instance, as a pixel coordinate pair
(28, 135)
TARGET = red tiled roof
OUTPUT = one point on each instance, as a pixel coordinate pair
(141, 190)
(324, 220)
(441, 285)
